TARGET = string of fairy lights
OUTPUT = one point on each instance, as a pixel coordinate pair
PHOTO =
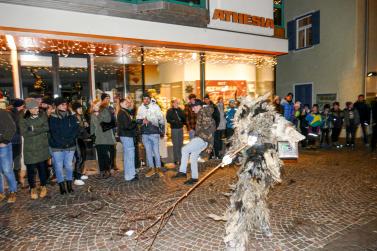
(154, 56)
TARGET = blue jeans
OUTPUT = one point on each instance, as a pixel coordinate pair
(128, 157)
(193, 148)
(152, 148)
(63, 160)
(191, 134)
(6, 168)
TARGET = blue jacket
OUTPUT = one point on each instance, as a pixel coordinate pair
(230, 116)
(63, 130)
(288, 110)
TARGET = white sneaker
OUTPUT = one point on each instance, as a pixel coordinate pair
(200, 160)
(79, 183)
(84, 177)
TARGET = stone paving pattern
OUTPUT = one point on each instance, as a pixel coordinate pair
(323, 197)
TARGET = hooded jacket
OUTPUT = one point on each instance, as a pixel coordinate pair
(7, 127)
(64, 129)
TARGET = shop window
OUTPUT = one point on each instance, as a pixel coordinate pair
(74, 78)
(279, 13)
(304, 32)
(6, 78)
(36, 74)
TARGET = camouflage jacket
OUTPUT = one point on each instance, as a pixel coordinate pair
(205, 125)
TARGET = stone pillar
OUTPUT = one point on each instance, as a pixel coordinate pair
(15, 73)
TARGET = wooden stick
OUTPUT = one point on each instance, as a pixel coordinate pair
(168, 212)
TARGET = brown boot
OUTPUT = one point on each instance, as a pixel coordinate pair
(2, 197)
(151, 172)
(43, 192)
(160, 172)
(12, 198)
(33, 194)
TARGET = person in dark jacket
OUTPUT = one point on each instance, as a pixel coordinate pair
(373, 143)
(34, 128)
(16, 112)
(351, 121)
(216, 117)
(337, 116)
(104, 140)
(64, 129)
(80, 152)
(7, 130)
(127, 132)
(304, 124)
(326, 126)
(364, 113)
(176, 118)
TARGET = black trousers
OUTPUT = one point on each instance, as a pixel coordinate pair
(325, 136)
(335, 134)
(350, 134)
(42, 173)
(304, 131)
(229, 132)
(373, 143)
(113, 157)
(104, 154)
(364, 128)
(80, 156)
(218, 142)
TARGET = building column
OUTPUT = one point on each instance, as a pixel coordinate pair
(92, 80)
(202, 74)
(142, 70)
(15, 74)
(56, 86)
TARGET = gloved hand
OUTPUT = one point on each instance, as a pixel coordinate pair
(226, 160)
(252, 140)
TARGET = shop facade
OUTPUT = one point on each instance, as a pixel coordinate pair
(80, 55)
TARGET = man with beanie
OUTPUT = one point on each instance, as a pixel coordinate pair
(7, 131)
(17, 111)
(152, 122)
(64, 129)
(205, 128)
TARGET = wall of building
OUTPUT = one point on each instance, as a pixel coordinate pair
(336, 65)
(371, 82)
(157, 11)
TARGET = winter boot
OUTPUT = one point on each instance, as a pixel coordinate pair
(12, 198)
(43, 192)
(33, 194)
(62, 188)
(69, 186)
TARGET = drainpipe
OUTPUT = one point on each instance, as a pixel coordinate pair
(366, 45)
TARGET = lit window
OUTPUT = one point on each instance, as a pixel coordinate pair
(304, 32)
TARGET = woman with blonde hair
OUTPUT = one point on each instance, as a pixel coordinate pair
(127, 132)
(101, 126)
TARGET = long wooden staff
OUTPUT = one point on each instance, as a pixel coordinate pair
(163, 219)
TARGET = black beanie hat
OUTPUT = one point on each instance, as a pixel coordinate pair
(104, 95)
(76, 105)
(59, 100)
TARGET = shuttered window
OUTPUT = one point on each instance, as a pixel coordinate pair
(304, 32)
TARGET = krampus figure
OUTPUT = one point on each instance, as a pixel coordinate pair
(258, 126)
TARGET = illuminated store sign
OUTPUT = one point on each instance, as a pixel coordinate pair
(231, 16)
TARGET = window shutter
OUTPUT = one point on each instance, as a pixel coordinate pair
(291, 33)
(316, 27)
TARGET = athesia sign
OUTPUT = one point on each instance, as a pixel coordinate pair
(231, 16)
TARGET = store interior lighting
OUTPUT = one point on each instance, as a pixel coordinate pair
(372, 74)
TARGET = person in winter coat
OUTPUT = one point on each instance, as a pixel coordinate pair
(337, 117)
(104, 139)
(190, 116)
(220, 131)
(373, 143)
(326, 126)
(34, 128)
(64, 129)
(351, 122)
(152, 122)
(127, 132)
(364, 114)
(176, 118)
(232, 109)
(288, 107)
(205, 127)
(7, 131)
(277, 105)
(315, 120)
(16, 112)
(304, 124)
(296, 114)
(80, 152)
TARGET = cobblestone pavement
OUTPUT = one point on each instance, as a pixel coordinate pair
(324, 196)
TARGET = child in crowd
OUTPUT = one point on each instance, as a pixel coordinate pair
(314, 131)
(297, 114)
(337, 118)
(326, 126)
(229, 116)
(304, 124)
(351, 121)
